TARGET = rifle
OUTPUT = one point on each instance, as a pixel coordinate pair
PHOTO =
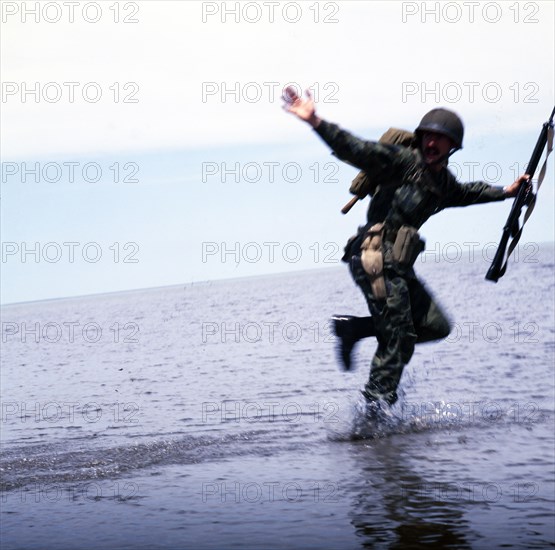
(525, 197)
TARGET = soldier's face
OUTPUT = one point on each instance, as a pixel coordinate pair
(435, 147)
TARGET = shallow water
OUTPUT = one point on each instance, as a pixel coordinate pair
(214, 415)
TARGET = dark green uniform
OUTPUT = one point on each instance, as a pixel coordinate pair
(407, 193)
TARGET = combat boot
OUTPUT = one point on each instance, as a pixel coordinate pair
(350, 330)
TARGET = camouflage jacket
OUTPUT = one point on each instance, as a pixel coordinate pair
(407, 192)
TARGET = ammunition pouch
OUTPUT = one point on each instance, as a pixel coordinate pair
(372, 260)
(407, 246)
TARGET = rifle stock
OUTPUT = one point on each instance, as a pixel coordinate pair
(523, 198)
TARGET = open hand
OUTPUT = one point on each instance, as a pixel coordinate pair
(303, 108)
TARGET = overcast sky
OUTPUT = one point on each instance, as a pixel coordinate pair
(143, 143)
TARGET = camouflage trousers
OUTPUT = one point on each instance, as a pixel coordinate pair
(406, 317)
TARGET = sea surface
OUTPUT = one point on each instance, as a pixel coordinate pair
(215, 415)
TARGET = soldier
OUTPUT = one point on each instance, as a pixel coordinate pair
(409, 184)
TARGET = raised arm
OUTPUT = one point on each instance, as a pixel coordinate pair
(376, 159)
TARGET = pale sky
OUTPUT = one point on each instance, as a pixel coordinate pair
(174, 108)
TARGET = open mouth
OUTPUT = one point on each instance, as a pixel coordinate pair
(432, 154)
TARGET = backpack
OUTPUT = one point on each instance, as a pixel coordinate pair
(362, 185)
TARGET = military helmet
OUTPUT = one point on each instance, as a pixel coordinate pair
(442, 121)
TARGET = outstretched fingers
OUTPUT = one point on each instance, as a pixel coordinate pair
(290, 95)
(291, 98)
(302, 107)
